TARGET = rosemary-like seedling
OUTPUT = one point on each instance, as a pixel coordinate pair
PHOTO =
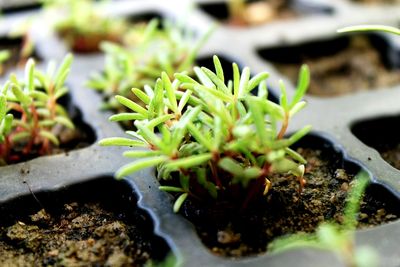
(215, 135)
(149, 51)
(83, 25)
(33, 102)
(338, 238)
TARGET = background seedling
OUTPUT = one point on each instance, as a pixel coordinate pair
(153, 50)
(33, 102)
(82, 24)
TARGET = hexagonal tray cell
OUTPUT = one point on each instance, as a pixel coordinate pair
(14, 47)
(382, 134)
(340, 65)
(231, 231)
(94, 223)
(264, 11)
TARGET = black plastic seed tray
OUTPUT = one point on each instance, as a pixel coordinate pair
(353, 127)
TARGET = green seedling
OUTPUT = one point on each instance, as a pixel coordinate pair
(32, 102)
(215, 135)
(5, 119)
(338, 238)
(82, 24)
(151, 50)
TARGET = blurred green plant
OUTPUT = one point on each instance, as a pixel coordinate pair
(150, 50)
(381, 28)
(5, 119)
(83, 25)
(338, 238)
(31, 104)
(170, 261)
(215, 135)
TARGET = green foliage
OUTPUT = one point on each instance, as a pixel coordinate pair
(82, 16)
(338, 238)
(169, 261)
(214, 134)
(32, 102)
(381, 28)
(5, 119)
(149, 50)
(83, 24)
(4, 55)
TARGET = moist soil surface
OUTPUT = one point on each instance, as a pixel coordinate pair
(359, 67)
(79, 235)
(235, 232)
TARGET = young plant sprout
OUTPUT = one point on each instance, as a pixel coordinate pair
(83, 25)
(32, 102)
(5, 119)
(217, 139)
(338, 238)
(150, 51)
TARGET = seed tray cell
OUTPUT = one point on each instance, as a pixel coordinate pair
(346, 124)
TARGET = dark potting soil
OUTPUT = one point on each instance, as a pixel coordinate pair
(359, 67)
(80, 235)
(232, 232)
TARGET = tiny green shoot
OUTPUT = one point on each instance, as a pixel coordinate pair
(338, 238)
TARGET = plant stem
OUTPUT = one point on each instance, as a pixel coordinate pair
(284, 127)
(214, 171)
(253, 191)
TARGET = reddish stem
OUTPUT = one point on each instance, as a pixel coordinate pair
(34, 130)
(284, 127)
(255, 187)
(5, 149)
(214, 169)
